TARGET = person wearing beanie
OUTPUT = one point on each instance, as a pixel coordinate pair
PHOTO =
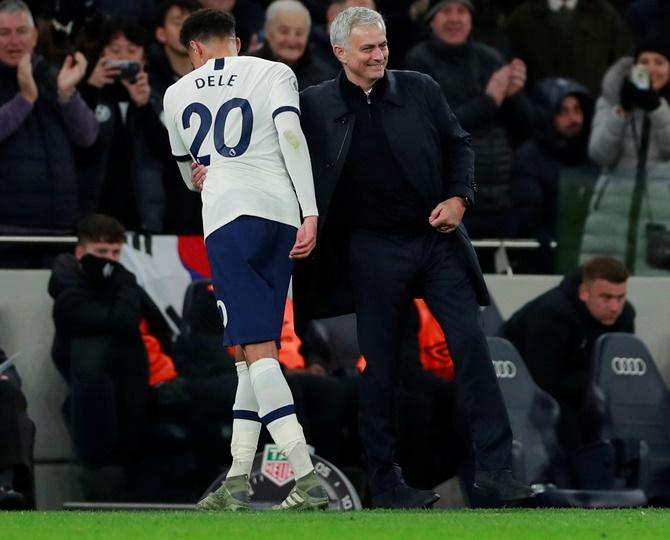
(486, 93)
(629, 216)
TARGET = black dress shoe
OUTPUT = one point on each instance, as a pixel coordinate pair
(403, 496)
(501, 485)
(10, 499)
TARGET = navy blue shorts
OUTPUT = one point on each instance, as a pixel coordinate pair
(251, 270)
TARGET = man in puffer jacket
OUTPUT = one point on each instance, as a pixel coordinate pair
(629, 212)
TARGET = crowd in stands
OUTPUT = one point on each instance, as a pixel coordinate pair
(82, 88)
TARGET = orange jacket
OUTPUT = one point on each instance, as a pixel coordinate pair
(433, 348)
(161, 367)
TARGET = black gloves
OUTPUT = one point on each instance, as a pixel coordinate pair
(632, 96)
(101, 271)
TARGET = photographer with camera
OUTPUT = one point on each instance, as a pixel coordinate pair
(123, 170)
(629, 214)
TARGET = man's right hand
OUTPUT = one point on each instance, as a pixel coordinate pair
(25, 79)
(498, 84)
(198, 175)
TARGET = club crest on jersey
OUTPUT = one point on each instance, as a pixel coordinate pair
(275, 466)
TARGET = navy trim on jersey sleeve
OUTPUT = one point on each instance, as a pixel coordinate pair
(183, 158)
(219, 63)
(285, 109)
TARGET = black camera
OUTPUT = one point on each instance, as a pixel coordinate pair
(128, 69)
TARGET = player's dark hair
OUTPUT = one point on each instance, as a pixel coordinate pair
(186, 6)
(206, 24)
(100, 228)
(607, 268)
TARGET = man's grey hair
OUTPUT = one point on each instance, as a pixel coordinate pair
(17, 6)
(286, 6)
(346, 20)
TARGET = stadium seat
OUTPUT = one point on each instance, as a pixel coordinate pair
(637, 412)
(537, 458)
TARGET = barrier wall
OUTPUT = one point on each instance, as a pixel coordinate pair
(26, 326)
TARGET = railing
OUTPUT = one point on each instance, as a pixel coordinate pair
(501, 246)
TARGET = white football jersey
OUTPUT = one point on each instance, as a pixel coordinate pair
(222, 114)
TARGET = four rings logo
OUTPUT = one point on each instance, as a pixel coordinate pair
(629, 366)
(505, 369)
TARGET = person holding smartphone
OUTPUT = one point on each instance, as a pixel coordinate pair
(629, 216)
(124, 169)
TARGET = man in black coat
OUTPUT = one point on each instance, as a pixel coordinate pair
(394, 174)
(555, 334)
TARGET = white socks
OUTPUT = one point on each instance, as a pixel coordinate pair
(277, 411)
(246, 424)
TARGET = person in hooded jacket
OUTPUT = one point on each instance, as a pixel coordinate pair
(552, 162)
(629, 212)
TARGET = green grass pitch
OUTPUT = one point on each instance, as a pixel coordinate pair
(513, 524)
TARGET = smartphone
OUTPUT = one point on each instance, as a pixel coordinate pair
(128, 69)
(639, 76)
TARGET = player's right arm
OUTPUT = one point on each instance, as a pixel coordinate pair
(179, 149)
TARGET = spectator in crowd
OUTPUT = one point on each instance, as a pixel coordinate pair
(578, 39)
(647, 17)
(287, 26)
(486, 94)
(123, 170)
(249, 20)
(168, 61)
(629, 213)
(17, 433)
(42, 119)
(554, 160)
(555, 334)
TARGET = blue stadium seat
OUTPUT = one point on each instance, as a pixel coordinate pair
(637, 410)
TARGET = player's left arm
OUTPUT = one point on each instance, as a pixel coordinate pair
(284, 96)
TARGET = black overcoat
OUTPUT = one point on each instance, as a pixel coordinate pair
(436, 158)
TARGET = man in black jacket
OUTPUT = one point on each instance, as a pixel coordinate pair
(486, 92)
(555, 334)
(394, 174)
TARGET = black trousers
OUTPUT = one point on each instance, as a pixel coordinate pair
(17, 436)
(387, 271)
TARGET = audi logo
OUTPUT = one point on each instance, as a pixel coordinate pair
(629, 366)
(505, 369)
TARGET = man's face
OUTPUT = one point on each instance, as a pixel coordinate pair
(569, 121)
(120, 48)
(452, 24)
(287, 36)
(168, 34)
(18, 37)
(604, 300)
(104, 250)
(365, 59)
